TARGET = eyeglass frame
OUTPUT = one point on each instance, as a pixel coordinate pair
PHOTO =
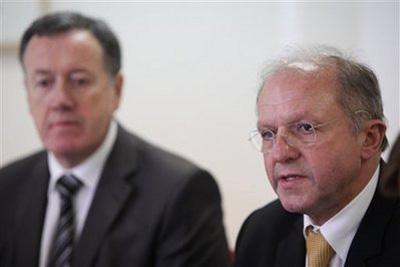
(258, 144)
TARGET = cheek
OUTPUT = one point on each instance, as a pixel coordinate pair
(32, 102)
(269, 170)
(103, 101)
(37, 108)
(320, 163)
(96, 111)
(328, 165)
(92, 105)
(266, 164)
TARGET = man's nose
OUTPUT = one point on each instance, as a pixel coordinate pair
(283, 149)
(62, 97)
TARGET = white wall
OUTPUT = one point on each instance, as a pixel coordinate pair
(192, 71)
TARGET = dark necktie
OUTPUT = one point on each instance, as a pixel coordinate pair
(61, 251)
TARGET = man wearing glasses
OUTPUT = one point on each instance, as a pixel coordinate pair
(321, 131)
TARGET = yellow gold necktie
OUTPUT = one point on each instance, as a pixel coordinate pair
(319, 252)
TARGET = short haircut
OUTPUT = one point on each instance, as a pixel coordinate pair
(62, 22)
(359, 87)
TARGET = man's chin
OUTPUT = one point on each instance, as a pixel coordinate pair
(70, 151)
(293, 204)
(65, 148)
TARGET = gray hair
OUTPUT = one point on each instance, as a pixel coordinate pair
(359, 93)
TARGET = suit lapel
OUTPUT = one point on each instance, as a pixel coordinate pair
(30, 215)
(291, 250)
(112, 192)
(367, 242)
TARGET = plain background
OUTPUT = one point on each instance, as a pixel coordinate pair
(192, 73)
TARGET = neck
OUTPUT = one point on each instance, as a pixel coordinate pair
(69, 162)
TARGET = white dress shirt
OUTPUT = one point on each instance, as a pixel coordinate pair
(88, 172)
(340, 230)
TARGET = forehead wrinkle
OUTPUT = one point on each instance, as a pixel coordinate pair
(298, 100)
(295, 109)
(277, 103)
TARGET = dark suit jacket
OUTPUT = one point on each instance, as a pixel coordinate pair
(151, 208)
(272, 236)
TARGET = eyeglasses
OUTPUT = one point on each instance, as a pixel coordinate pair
(297, 134)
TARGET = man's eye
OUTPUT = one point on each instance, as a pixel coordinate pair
(43, 83)
(80, 82)
(305, 128)
(268, 135)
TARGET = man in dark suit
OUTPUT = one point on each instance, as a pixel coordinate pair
(321, 131)
(98, 195)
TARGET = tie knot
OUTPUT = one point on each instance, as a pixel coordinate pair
(319, 252)
(68, 184)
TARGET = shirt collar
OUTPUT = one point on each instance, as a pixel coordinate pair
(339, 230)
(90, 169)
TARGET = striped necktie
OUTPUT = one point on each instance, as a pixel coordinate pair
(61, 252)
(319, 252)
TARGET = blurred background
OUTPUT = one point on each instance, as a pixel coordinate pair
(192, 73)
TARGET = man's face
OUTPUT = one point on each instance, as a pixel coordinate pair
(320, 178)
(71, 95)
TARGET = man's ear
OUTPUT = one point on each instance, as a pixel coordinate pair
(117, 88)
(374, 134)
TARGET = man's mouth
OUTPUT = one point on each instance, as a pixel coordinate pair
(290, 180)
(291, 177)
(63, 124)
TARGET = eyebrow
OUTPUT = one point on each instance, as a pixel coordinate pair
(47, 72)
(261, 126)
(295, 118)
(79, 71)
(41, 72)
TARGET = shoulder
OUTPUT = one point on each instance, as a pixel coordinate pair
(158, 166)
(263, 229)
(20, 170)
(266, 221)
(378, 234)
(163, 181)
(175, 198)
(14, 185)
(271, 210)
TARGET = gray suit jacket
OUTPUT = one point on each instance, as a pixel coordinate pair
(151, 208)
